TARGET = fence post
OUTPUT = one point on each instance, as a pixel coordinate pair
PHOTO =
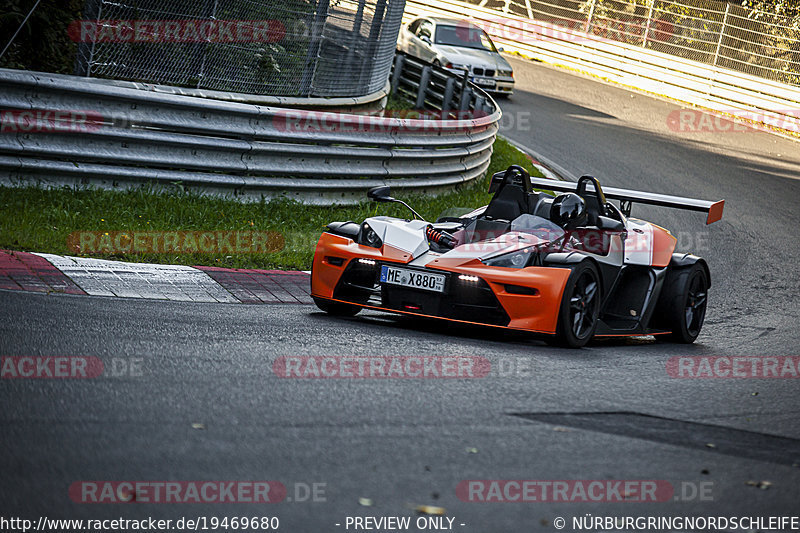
(314, 45)
(589, 18)
(85, 52)
(204, 51)
(527, 7)
(721, 33)
(423, 87)
(647, 27)
(355, 35)
(94, 43)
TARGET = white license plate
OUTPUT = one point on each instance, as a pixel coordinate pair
(484, 82)
(412, 278)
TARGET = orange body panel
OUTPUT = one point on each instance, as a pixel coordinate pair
(663, 246)
(530, 312)
(715, 212)
(326, 275)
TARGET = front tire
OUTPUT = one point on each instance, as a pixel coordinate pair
(681, 308)
(337, 308)
(580, 307)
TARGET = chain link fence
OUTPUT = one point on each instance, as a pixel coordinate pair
(713, 32)
(304, 48)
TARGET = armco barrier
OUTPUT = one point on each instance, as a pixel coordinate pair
(696, 83)
(114, 136)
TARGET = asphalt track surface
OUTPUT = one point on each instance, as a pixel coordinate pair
(206, 405)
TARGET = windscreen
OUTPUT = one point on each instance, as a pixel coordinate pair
(465, 37)
(491, 230)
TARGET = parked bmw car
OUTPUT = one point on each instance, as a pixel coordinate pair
(458, 45)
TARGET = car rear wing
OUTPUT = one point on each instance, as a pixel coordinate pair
(714, 209)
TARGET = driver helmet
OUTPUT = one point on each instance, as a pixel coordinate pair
(568, 211)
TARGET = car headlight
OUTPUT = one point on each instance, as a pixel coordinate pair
(516, 259)
(368, 237)
(505, 73)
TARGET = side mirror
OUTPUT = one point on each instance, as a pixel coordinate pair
(425, 39)
(381, 193)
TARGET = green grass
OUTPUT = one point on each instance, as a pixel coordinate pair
(40, 220)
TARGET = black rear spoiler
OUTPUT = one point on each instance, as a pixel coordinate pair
(714, 209)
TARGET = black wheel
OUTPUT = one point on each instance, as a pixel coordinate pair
(580, 307)
(337, 308)
(681, 308)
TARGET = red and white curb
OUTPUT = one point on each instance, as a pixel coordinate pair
(99, 277)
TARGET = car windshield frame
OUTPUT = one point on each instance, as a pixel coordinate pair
(543, 230)
(456, 31)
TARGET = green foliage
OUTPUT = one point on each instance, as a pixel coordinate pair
(43, 44)
(781, 8)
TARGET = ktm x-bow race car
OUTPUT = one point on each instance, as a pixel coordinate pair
(572, 266)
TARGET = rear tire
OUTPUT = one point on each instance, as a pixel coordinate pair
(337, 308)
(681, 308)
(580, 307)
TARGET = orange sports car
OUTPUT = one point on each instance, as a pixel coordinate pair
(572, 266)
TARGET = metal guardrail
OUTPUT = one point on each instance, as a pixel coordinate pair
(134, 137)
(710, 86)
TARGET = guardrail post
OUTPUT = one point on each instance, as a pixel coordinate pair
(466, 97)
(397, 73)
(480, 103)
(448, 96)
(423, 87)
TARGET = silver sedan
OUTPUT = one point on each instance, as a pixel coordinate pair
(458, 45)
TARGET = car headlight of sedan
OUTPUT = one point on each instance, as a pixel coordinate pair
(456, 66)
(515, 259)
(505, 73)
